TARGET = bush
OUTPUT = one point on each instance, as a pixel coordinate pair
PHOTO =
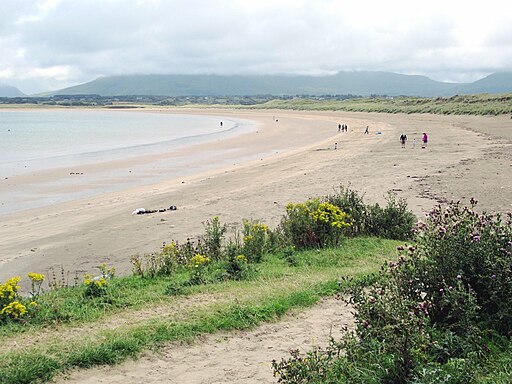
(314, 224)
(394, 221)
(432, 314)
(255, 240)
(351, 202)
(458, 246)
(212, 239)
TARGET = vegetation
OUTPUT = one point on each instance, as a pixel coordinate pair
(442, 313)
(483, 104)
(480, 104)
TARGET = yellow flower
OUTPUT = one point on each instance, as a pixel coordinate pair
(14, 310)
(36, 277)
(10, 288)
(241, 258)
(199, 260)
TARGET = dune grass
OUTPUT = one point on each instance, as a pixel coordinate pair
(481, 104)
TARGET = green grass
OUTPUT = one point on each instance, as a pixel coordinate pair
(83, 340)
(498, 368)
(482, 104)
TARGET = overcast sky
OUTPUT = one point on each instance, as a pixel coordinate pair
(51, 44)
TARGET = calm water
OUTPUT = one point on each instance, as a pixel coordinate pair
(35, 140)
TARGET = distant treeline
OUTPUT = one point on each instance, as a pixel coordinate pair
(483, 104)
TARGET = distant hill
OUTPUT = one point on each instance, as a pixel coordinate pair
(362, 83)
(495, 83)
(7, 91)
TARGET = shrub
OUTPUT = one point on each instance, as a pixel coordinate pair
(351, 202)
(255, 240)
(460, 247)
(212, 239)
(394, 221)
(428, 317)
(314, 224)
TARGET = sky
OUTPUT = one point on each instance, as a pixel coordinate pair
(52, 44)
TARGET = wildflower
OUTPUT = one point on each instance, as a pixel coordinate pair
(459, 277)
(199, 260)
(241, 258)
(9, 290)
(14, 310)
(36, 277)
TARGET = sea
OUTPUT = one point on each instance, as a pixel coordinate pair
(32, 141)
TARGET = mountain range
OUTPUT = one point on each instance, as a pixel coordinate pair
(364, 83)
(360, 83)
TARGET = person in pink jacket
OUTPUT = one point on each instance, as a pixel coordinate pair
(425, 140)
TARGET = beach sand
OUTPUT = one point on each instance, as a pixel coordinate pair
(291, 160)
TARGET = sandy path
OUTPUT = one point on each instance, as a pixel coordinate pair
(240, 357)
(467, 156)
(173, 308)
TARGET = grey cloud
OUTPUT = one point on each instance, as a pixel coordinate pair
(102, 37)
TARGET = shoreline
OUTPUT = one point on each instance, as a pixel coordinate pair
(53, 180)
(81, 234)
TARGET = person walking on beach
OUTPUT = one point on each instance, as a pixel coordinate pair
(366, 131)
(424, 139)
(221, 123)
(339, 128)
(403, 139)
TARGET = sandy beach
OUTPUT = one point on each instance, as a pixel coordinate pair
(261, 171)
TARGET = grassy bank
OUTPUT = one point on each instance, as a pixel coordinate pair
(140, 313)
(482, 104)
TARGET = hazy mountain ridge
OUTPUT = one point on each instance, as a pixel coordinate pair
(362, 83)
(8, 91)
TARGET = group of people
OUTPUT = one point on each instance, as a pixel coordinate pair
(424, 140)
(342, 128)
